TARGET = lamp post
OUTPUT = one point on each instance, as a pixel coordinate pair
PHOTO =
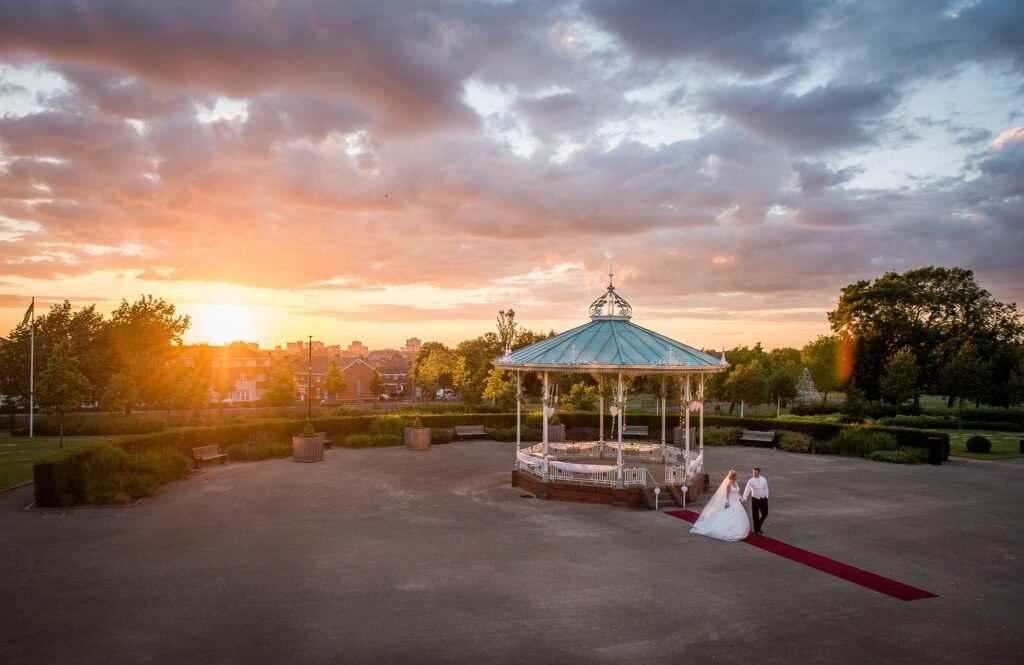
(309, 381)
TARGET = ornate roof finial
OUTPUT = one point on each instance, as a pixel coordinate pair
(611, 301)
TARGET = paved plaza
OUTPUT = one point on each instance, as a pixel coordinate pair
(392, 556)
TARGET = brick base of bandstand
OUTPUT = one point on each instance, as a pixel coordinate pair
(629, 497)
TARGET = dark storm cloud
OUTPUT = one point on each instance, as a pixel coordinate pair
(828, 117)
(752, 38)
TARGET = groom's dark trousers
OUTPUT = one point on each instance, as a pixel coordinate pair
(759, 509)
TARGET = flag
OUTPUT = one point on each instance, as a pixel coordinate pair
(28, 312)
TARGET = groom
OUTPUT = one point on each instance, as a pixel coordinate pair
(757, 491)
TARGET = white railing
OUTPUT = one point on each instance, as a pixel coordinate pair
(674, 475)
(585, 477)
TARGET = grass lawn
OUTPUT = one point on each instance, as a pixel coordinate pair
(19, 453)
(1004, 444)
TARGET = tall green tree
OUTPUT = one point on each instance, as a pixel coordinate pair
(933, 311)
(335, 382)
(120, 394)
(748, 383)
(964, 376)
(281, 388)
(501, 389)
(821, 358)
(899, 381)
(62, 386)
(146, 335)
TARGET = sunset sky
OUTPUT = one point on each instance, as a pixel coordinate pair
(383, 170)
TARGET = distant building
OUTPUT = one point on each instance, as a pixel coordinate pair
(295, 348)
(357, 349)
(359, 377)
(238, 371)
(412, 346)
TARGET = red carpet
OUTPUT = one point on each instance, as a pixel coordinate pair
(826, 565)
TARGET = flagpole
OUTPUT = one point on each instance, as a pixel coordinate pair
(32, 373)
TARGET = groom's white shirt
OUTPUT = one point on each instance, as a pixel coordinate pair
(756, 486)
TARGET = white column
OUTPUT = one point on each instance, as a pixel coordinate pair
(544, 423)
(519, 410)
(619, 481)
(686, 431)
(663, 392)
(600, 413)
(700, 398)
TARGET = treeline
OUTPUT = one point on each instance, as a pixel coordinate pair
(930, 330)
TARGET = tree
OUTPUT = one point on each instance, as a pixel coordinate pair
(781, 386)
(933, 311)
(120, 394)
(501, 389)
(145, 334)
(582, 397)
(335, 382)
(899, 382)
(821, 358)
(437, 366)
(62, 386)
(509, 332)
(1015, 384)
(748, 383)
(964, 376)
(281, 389)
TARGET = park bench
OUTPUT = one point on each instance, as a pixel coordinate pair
(758, 439)
(327, 440)
(635, 430)
(470, 430)
(203, 453)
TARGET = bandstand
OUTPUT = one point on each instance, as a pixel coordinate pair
(610, 347)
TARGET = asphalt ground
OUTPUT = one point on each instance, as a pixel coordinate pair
(393, 556)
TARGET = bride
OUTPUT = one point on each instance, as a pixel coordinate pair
(724, 517)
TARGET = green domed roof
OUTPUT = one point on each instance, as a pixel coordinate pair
(611, 343)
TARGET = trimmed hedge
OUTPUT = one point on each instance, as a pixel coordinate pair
(60, 479)
(979, 444)
(92, 424)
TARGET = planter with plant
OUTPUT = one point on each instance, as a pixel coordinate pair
(417, 437)
(308, 446)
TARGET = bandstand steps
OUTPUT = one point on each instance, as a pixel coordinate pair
(677, 496)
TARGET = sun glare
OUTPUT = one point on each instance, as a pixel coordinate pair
(219, 324)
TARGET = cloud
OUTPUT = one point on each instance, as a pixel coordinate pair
(751, 38)
(827, 117)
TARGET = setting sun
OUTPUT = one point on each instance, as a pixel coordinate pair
(220, 324)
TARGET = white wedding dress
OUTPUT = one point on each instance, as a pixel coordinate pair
(721, 522)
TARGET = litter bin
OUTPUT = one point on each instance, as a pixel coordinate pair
(934, 450)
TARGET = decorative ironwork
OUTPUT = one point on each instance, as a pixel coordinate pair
(670, 359)
(575, 358)
(505, 359)
(612, 302)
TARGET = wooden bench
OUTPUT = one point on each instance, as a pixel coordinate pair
(470, 430)
(203, 453)
(636, 430)
(327, 439)
(759, 439)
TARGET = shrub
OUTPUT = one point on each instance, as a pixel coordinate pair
(259, 446)
(721, 436)
(816, 409)
(861, 442)
(417, 424)
(149, 470)
(372, 440)
(894, 456)
(794, 442)
(509, 434)
(920, 422)
(441, 435)
(308, 431)
(105, 475)
(81, 424)
(389, 425)
(979, 444)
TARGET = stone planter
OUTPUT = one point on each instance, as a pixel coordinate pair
(556, 433)
(308, 449)
(417, 438)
